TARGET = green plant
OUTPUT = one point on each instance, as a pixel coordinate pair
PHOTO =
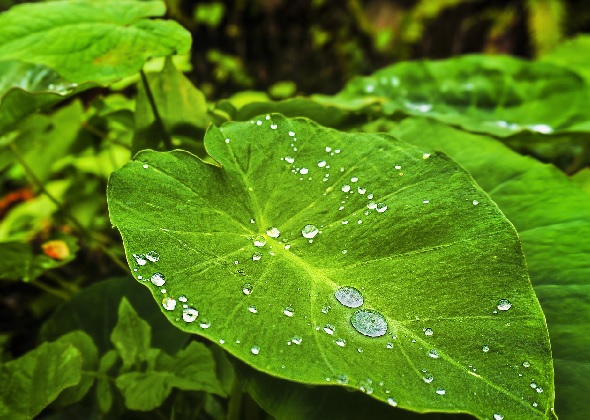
(332, 256)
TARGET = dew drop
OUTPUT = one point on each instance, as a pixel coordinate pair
(309, 231)
(189, 314)
(227, 140)
(533, 385)
(259, 241)
(182, 299)
(485, 349)
(273, 126)
(398, 167)
(345, 188)
(288, 311)
(539, 389)
(361, 190)
(441, 391)
(291, 133)
(258, 122)
(322, 163)
(535, 404)
(273, 232)
(296, 340)
(329, 329)
(389, 345)
(425, 201)
(428, 332)
(256, 256)
(526, 364)
(289, 159)
(354, 179)
(287, 246)
(205, 324)
(326, 309)
(392, 402)
(498, 416)
(428, 378)
(304, 171)
(140, 259)
(169, 304)
(342, 379)
(433, 353)
(145, 166)
(475, 202)
(340, 342)
(345, 222)
(504, 305)
(158, 279)
(369, 323)
(381, 207)
(328, 149)
(247, 288)
(255, 350)
(349, 297)
(425, 155)
(252, 309)
(372, 205)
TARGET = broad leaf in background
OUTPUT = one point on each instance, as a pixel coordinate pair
(28, 384)
(27, 88)
(181, 107)
(497, 95)
(104, 298)
(192, 369)
(573, 54)
(131, 336)
(340, 259)
(88, 40)
(552, 216)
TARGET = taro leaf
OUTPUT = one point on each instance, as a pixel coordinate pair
(104, 298)
(88, 40)
(192, 369)
(28, 384)
(573, 54)
(552, 216)
(27, 88)
(181, 107)
(131, 336)
(104, 393)
(497, 95)
(259, 246)
(89, 353)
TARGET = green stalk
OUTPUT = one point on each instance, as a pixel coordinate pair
(148, 91)
(235, 401)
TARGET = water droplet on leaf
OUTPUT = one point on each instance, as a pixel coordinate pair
(158, 279)
(349, 297)
(169, 304)
(369, 323)
(189, 314)
(504, 305)
(309, 231)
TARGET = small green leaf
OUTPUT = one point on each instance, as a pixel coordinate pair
(104, 393)
(88, 40)
(28, 384)
(497, 95)
(131, 336)
(270, 257)
(16, 260)
(104, 298)
(83, 342)
(192, 369)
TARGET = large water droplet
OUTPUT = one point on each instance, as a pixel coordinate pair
(273, 232)
(259, 241)
(247, 288)
(369, 323)
(153, 256)
(433, 353)
(309, 231)
(349, 297)
(189, 314)
(169, 304)
(504, 305)
(288, 311)
(158, 279)
(255, 350)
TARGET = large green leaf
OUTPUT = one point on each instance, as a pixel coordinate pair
(552, 216)
(28, 384)
(572, 54)
(258, 253)
(86, 40)
(498, 95)
(27, 88)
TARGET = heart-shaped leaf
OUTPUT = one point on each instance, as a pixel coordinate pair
(340, 259)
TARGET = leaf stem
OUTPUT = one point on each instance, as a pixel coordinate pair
(235, 401)
(52, 291)
(83, 231)
(148, 91)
